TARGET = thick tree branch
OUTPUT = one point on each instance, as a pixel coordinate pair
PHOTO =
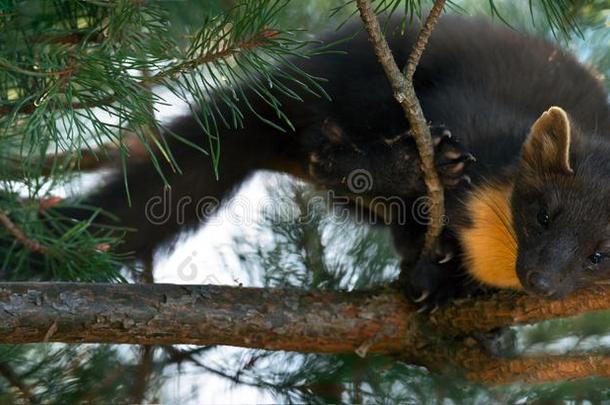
(319, 321)
(168, 314)
(404, 93)
(511, 308)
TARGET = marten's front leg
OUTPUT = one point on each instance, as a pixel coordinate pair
(387, 166)
(391, 168)
(439, 276)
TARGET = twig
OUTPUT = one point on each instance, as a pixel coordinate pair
(404, 93)
(422, 39)
(20, 236)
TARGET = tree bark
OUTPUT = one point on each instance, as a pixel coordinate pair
(325, 322)
(364, 322)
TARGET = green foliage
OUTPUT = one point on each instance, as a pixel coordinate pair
(69, 374)
(307, 247)
(76, 79)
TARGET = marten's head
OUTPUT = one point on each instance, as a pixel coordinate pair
(560, 205)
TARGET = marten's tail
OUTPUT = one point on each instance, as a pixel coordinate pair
(158, 212)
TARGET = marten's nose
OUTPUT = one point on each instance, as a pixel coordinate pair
(541, 284)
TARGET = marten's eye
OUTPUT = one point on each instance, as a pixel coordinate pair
(543, 217)
(597, 257)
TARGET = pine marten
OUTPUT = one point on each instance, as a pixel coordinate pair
(530, 213)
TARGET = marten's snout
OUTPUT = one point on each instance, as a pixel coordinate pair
(541, 284)
(546, 266)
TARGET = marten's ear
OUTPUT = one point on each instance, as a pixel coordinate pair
(547, 147)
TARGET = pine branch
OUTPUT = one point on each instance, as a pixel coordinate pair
(260, 39)
(321, 321)
(83, 160)
(20, 236)
(404, 93)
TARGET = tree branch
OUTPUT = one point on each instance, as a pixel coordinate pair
(20, 236)
(363, 322)
(508, 308)
(422, 39)
(248, 44)
(404, 93)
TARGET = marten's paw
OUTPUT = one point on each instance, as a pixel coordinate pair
(437, 279)
(332, 164)
(433, 279)
(387, 166)
(451, 158)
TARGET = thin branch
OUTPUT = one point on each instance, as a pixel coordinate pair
(404, 93)
(20, 236)
(422, 39)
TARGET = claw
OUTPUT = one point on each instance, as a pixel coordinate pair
(422, 309)
(422, 297)
(452, 155)
(466, 179)
(446, 259)
(458, 167)
(445, 135)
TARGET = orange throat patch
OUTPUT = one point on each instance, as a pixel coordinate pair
(490, 243)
